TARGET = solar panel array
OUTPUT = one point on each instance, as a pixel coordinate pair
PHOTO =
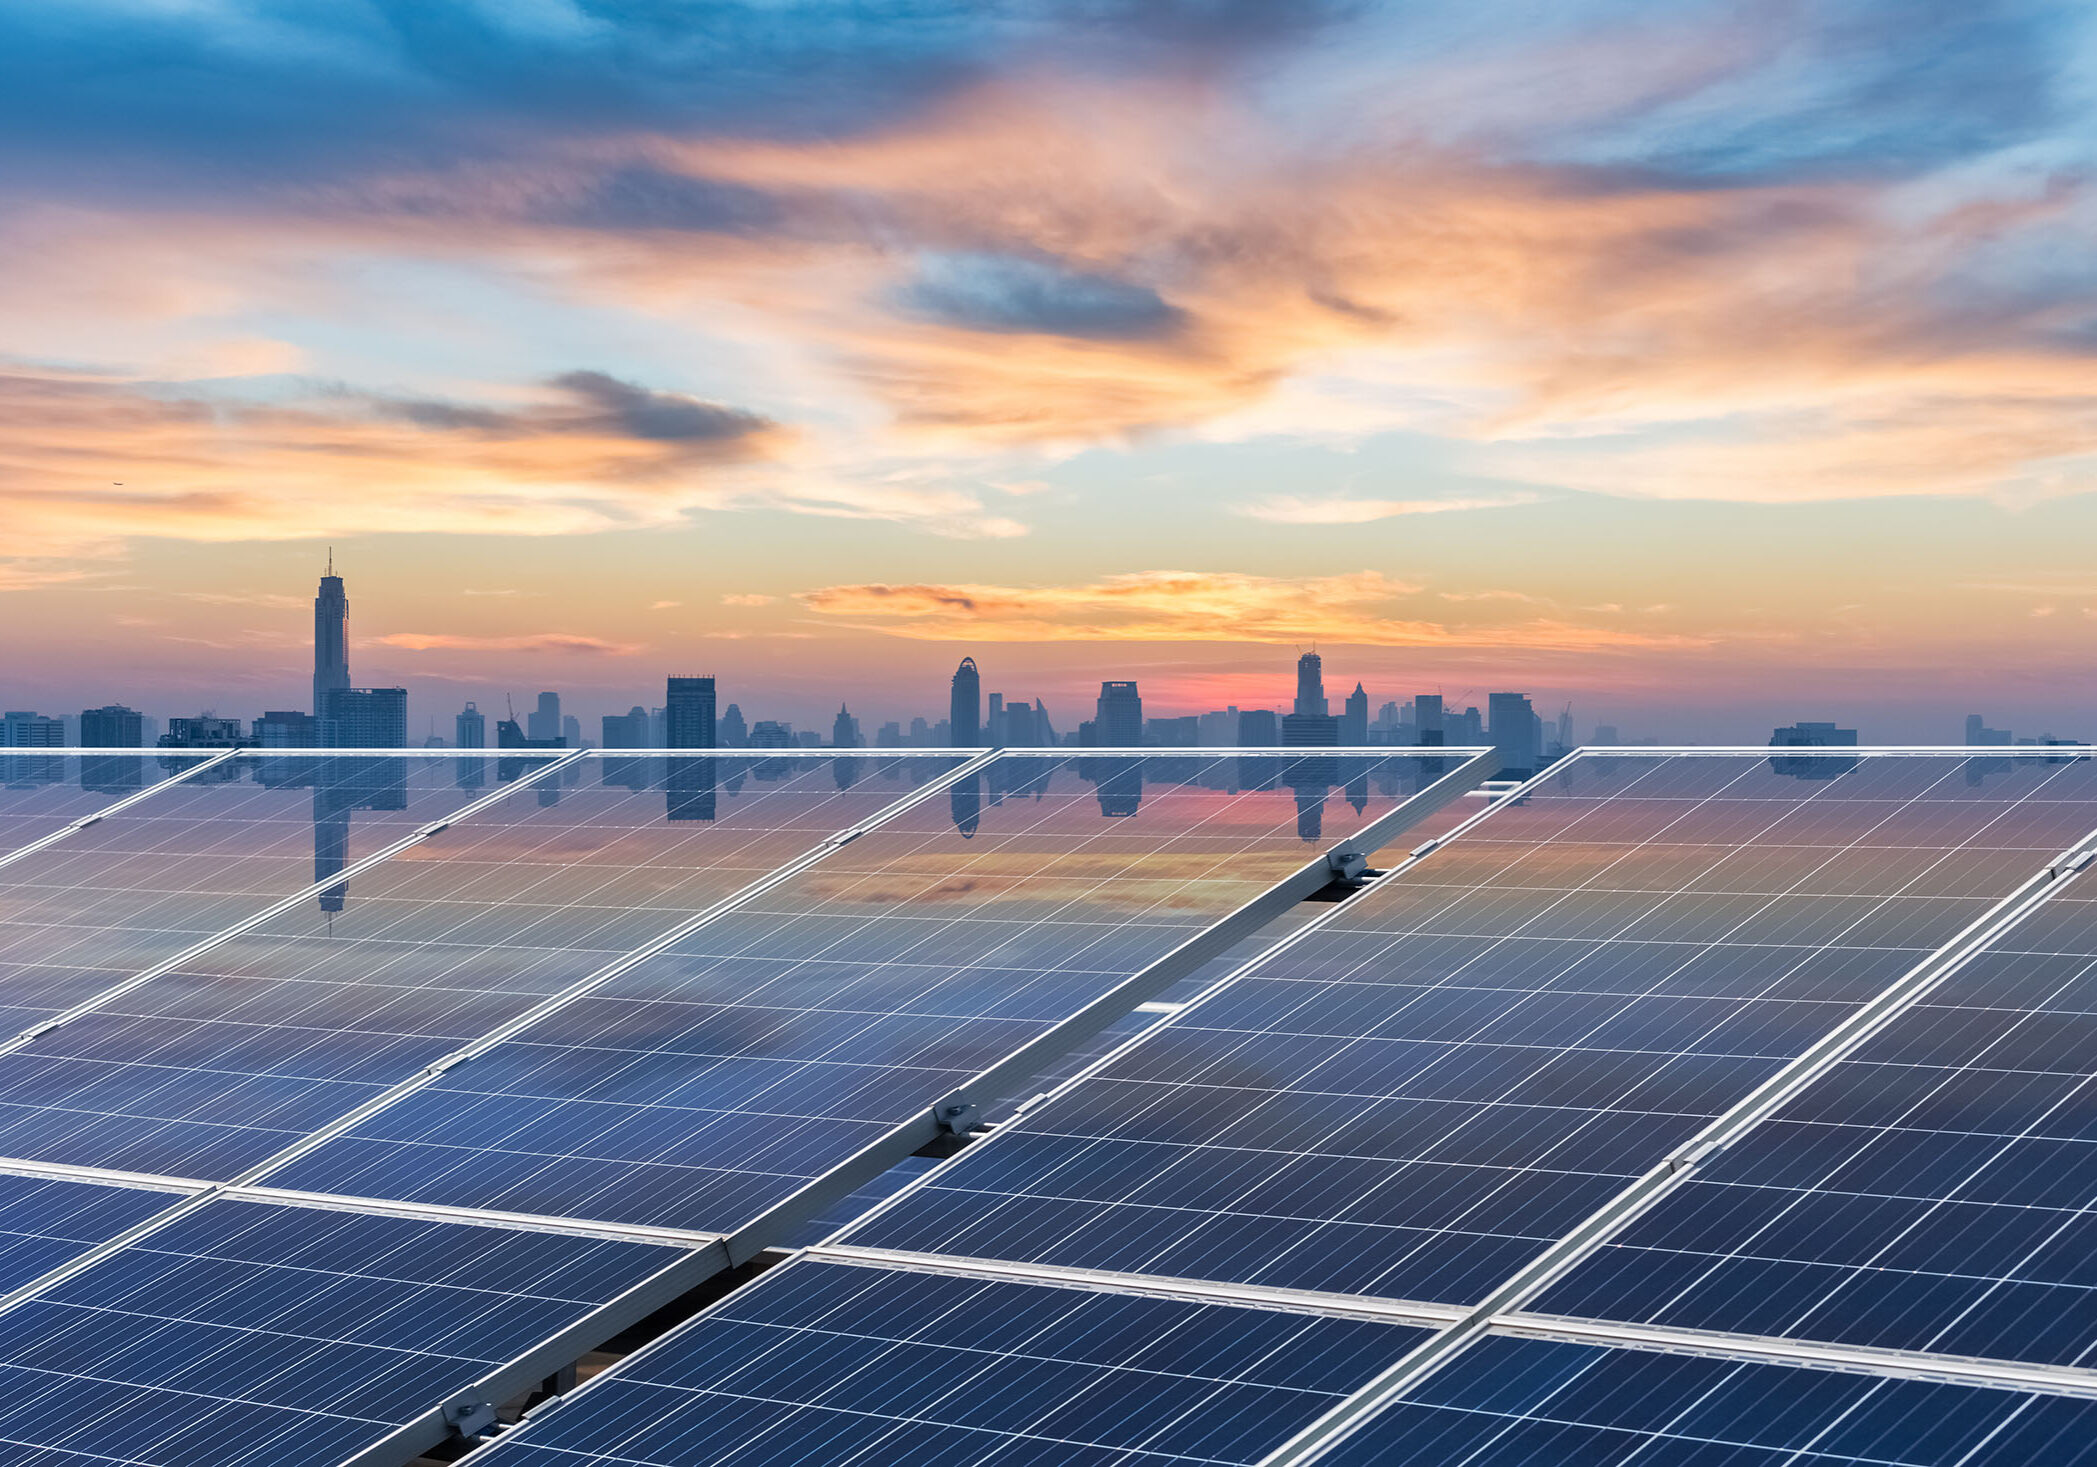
(354, 1092)
(1687, 1108)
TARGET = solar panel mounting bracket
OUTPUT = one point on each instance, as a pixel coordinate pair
(470, 1416)
(1348, 873)
(956, 1116)
(2069, 865)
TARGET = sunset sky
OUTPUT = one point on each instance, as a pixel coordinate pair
(1705, 365)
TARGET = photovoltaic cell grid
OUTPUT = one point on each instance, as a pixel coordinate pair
(1416, 1100)
(830, 1363)
(246, 1334)
(1935, 1191)
(42, 793)
(46, 1223)
(1509, 1402)
(720, 1077)
(210, 1069)
(196, 857)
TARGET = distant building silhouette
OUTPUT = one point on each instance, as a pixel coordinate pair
(1354, 720)
(330, 638)
(1258, 728)
(844, 729)
(364, 718)
(1118, 723)
(1310, 685)
(470, 728)
(113, 727)
(544, 721)
(628, 730)
(965, 707)
(688, 713)
(205, 731)
(735, 733)
(1812, 736)
(1515, 733)
(1309, 730)
(1977, 732)
(1427, 720)
(571, 731)
(287, 728)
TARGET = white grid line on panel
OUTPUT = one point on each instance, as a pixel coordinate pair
(76, 826)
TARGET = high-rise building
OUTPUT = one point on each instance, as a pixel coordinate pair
(1354, 717)
(920, 734)
(628, 730)
(994, 731)
(544, 721)
(1118, 723)
(1515, 733)
(1258, 728)
(287, 728)
(735, 733)
(965, 707)
(470, 728)
(1977, 732)
(571, 731)
(844, 729)
(364, 718)
(21, 730)
(688, 716)
(1427, 720)
(1310, 685)
(330, 638)
(113, 727)
(1309, 730)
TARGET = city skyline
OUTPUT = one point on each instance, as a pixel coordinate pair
(1708, 368)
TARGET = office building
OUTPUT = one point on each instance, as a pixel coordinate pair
(628, 730)
(330, 638)
(1812, 736)
(844, 730)
(1516, 734)
(543, 723)
(287, 728)
(21, 730)
(113, 727)
(688, 713)
(1309, 731)
(1310, 686)
(734, 732)
(1258, 728)
(205, 731)
(1427, 720)
(364, 718)
(965, 707)
(1354, 717)
(1118, 721)
(470, 728)
(1978, 732)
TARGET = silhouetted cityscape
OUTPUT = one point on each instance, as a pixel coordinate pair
(690, 716)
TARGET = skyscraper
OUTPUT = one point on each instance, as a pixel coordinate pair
(965, 708)
(1514, 730)
(330, 638)
(470, 728)
(1118, 724)
(734, 733)
(364, 718)
(844, 729)
(688, 717)
(1310, 686)
(114, 727)
(1354, 720)
(544, 721)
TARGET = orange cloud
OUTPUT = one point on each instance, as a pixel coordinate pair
(1193, 606)
(1294, 509)
(564, 643)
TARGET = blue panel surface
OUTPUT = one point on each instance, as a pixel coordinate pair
(721, 1076)
(249, 1333)
(42, 793)
(46, 1222)
(1418, 1098)
(824, 1363)
(1539, 1403)
(1935, 1191)
(215, 1067)
(138, 887)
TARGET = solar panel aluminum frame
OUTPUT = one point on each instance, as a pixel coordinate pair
(43, 842)
(1321, 1436)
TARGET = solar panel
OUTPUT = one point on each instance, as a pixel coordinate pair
(835, 1363)
(46, 1222)
(194, 858)
(42, 794)
(1509, 1402)
(213, 1067)
(1419, 1097)
(244, 1333)
(720, 1078)
(1937, 1190)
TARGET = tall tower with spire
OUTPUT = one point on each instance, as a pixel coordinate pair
(330, 638)
(1310, 686)
(965, 706)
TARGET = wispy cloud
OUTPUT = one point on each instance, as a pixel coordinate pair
(1293, 509)
(1192, 606)
(747, 598)
(569, 644)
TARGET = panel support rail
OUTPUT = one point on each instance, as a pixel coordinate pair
(1348, 1417)
(75, 827)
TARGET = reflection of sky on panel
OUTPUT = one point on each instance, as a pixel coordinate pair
(197, 857)
(207, 1071)
(46, 1223)
(1541, 1403)
(40, 793)
(1935, 1191)
(248, 1334)
(831, 1363)
(1413, 1101)
(749, 1058)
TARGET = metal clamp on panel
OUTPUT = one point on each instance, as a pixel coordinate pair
(957, 1117)
(1349, 873)
(470, 1416)
(85, 821)
(1682, 1161)
(1422, 849)
(2069, 865)
(435, 827)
